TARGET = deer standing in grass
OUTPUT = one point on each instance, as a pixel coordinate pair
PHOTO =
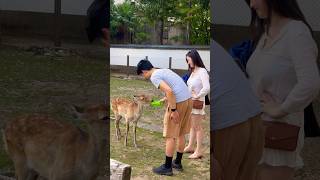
(58, 150)
(131, 110)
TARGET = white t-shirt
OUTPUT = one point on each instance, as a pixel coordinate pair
(175, 82)
(199, 83)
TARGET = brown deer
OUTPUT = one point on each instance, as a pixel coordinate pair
(58, 150)
(131, 110)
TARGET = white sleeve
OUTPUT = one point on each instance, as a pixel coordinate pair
(304, 52)
(204, 76)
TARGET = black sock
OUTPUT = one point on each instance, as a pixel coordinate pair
(168, 162)
(178, 158)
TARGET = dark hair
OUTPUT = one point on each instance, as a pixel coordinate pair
(144, 65)
(196, 59)
(286, 8)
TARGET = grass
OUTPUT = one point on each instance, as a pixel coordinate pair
(36, 83)
(151, 143)
(150, 152)
(44, 84)
(129, 87)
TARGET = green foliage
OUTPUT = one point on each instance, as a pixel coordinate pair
(124, 16)
(193, 16)
(196, 15)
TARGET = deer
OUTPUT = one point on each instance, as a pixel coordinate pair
(41, 146)
(131, 110)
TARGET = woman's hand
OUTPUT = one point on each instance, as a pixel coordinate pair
(271, 107)
(194, 95)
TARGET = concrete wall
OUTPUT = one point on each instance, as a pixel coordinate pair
(228, 35)
(231, 12)
(36, 18)
(45, 6)
(24, 23)
(231, 19)
(73, 7)
(159, 57)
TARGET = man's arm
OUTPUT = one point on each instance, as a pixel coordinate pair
(169, 94)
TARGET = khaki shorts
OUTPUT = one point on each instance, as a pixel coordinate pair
(238, 149)
(174, 130)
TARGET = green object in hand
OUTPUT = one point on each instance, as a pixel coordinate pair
(155, 103)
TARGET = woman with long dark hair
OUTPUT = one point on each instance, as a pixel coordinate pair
(285, 76)
(198, 84)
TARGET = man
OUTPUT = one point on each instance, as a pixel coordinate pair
(177, 117)
(237, 133)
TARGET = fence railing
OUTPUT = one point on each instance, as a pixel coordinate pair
(128, 64)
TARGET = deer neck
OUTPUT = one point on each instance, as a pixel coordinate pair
(139, 106)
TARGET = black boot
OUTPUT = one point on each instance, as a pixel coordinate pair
(176, 164)
(165, 169)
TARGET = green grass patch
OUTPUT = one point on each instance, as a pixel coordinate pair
(151, 144)
(150, 153)
(45, 84)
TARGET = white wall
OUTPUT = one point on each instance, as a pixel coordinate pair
(75, 7)
(236, 12)
(118, 1)
(158, 57)
(46, 6)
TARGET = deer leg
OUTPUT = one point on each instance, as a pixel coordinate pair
(21, 169)
(134, 134)
(118, 133)
(127, 131)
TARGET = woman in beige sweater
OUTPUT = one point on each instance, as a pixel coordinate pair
(284, 74)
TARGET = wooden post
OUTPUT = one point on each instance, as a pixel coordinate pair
(128, 65)
(146, 57)
(170, 62)
(119, 170)
(57, 23)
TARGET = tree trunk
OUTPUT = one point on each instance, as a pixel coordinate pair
(189, 26)
(161, 31)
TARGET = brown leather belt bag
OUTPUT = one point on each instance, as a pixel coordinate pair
(197, 104)
(281, 136)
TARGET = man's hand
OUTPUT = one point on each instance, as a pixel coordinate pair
(163, 99)
(271, 107)
(174, 116)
